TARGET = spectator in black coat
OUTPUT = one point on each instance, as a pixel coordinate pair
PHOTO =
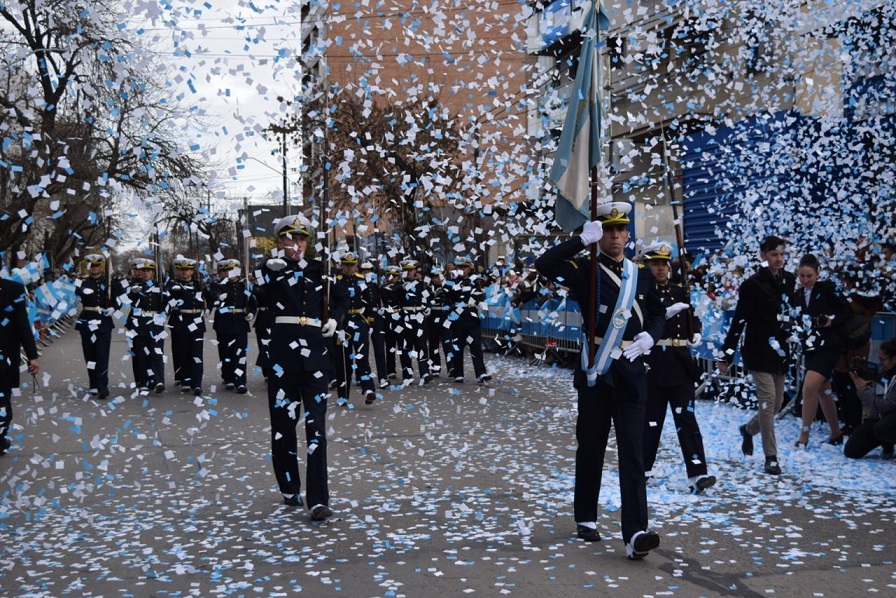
(761, 317)
(15, 332)
(821, 308)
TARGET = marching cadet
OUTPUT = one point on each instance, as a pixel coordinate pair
(354, 337)
(437, 334)
(464, 297)
(414, 297)
(627, 322)
(306, 309)
(235, 306)
(672, 374)
(146, 326)
(390, 295)
(95, 323)
(377, 324)
(186, 307)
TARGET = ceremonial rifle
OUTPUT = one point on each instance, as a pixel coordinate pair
(679, 233)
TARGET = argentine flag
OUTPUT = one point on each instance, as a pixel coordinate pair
(579, 147)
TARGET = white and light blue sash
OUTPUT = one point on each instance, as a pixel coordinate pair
(628, 286)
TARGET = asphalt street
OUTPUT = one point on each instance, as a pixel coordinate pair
(446, 489)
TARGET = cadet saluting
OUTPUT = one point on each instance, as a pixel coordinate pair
(95, 323)
(630, 319)
(296, 293)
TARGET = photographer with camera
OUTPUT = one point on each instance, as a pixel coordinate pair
(820, 306)
(878, 395)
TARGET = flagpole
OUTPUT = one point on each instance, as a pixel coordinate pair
(594, 180)
(592, 283)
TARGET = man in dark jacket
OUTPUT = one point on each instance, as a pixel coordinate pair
(762, 317)
(15, 332)
(672, 375)
(305, 315)
(630, 319)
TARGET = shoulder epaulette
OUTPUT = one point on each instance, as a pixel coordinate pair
(574, 263)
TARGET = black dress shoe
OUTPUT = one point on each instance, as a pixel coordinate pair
(4, 445)
(293, 501)
(321, 513)
(241, 389)
(703, 482)
(371, 397)
(104, 394)
(588, 534)
(837, 441)
(197, 392)
(771, 466)
(641, 544)
(746, 443)
(160, 388)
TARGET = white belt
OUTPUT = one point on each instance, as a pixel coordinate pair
(146, 314)
(439, 308)
(300, 320)
(672, 342)
(413, 308)
(230, 311)
(189, 311)
(91, 308)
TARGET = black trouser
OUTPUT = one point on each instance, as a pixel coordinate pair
(5, 409)
(392, 349)
(871, 434)
(414, 344)
(466, 330)
(437, 337)
(148, 353)
(681, 399)
(186, 353)
(378, 340)
(300, 394)
(263, 336)
(96, 344)
(353, 357)
(232, 353)
(848, 403)
(599, 406)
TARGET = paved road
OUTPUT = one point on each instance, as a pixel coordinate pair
(445, 489)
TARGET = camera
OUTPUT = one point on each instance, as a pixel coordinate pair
(821, 321)
(865, 369)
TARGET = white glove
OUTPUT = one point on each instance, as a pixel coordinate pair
(675, 308)
(329, 328)
(592, 232)
(109, 311)
(641, 345)
(276, 264)
(695, 340)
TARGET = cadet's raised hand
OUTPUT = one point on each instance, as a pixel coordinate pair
(592, 232)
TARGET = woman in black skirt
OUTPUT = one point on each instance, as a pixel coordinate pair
(820, 306)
